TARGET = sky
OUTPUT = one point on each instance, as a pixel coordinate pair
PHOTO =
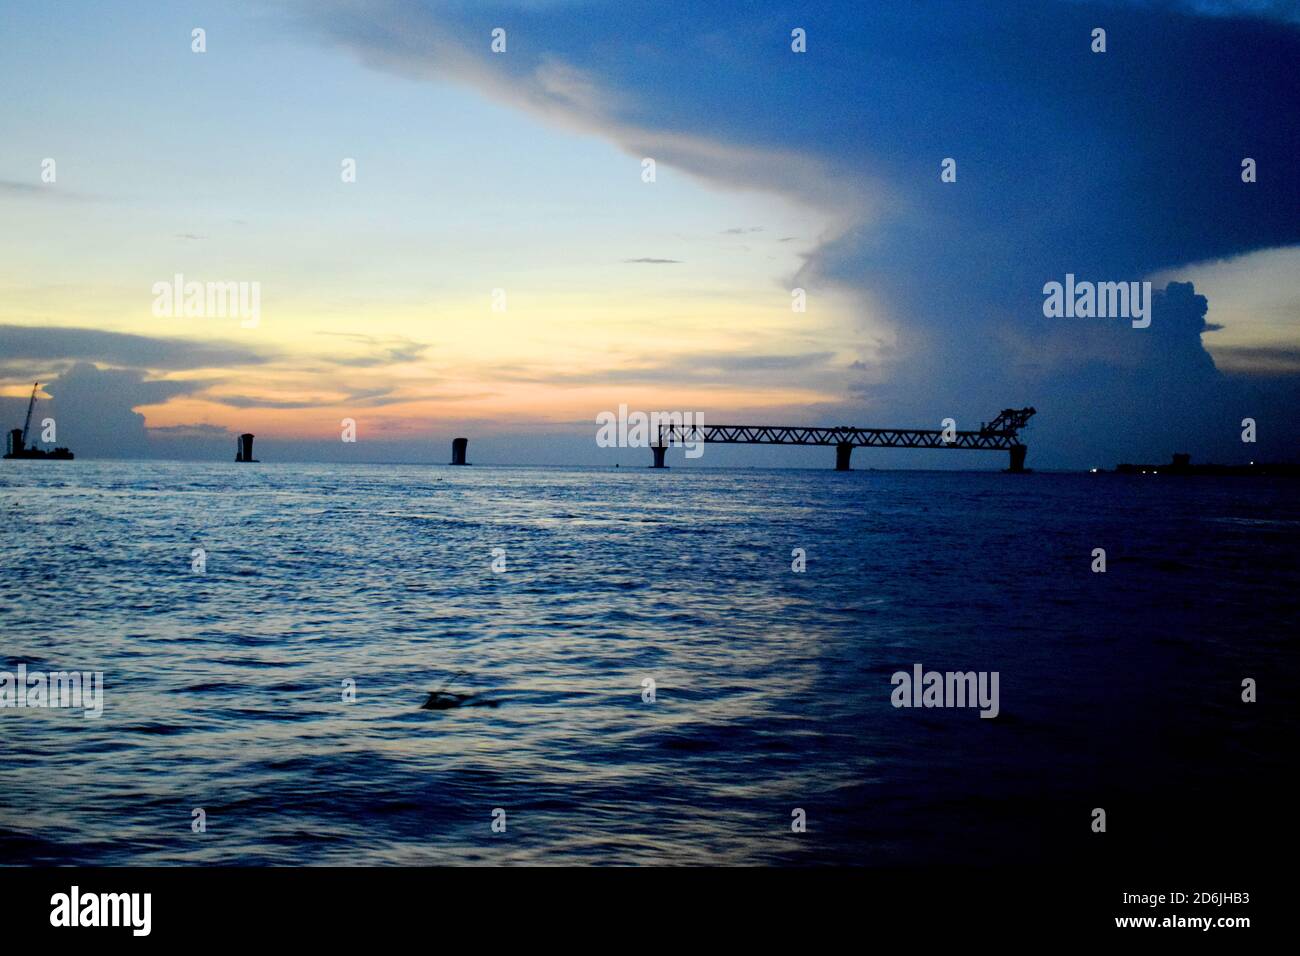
(516, 179)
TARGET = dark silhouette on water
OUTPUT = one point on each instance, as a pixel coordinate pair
(458, 446)
(245, 449)
(16, 446)
(1001, 434)
(442, 699)
(1182, 465)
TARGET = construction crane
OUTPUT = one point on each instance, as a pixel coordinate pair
(1008, 422)
(16, 439)
(30, 405)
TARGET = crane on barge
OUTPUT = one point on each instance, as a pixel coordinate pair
(17, 444)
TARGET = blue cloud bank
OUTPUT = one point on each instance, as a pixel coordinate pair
(1107, 165)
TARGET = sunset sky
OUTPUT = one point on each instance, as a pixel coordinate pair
(522, 171)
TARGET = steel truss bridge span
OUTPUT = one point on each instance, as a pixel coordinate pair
(1001, 434)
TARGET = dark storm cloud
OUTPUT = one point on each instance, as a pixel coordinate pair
(94, 409)
(58, 344)
(1111, 166)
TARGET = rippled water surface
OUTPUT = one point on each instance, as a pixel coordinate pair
(223, 690)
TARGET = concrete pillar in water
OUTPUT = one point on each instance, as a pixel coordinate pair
(245, 452)
(1018, 453)
(458, 446)
(842, 452)
(659, 451)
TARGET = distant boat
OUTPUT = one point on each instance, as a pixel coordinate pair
(16, 446)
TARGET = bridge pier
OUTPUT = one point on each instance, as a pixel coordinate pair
(1018, 453)
(659, 451)
(842, 452)
(245, 448)
(458, 446)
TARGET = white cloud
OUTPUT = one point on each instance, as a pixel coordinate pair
(1255, 299)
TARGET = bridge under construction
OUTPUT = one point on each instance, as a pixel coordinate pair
(1001, 434)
